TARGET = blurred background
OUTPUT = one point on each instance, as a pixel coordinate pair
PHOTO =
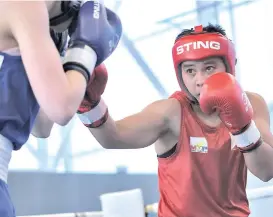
(68, 171)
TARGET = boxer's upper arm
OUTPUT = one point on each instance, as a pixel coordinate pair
(29, 24)
(136, 131)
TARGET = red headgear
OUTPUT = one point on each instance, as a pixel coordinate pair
(199, 45)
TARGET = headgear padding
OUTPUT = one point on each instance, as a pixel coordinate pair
(69, 9)
(199, 45)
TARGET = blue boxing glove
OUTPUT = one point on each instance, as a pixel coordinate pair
(96, 35)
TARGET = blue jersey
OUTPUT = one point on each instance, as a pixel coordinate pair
(18, 105)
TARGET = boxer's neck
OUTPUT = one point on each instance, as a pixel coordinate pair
(211, 120)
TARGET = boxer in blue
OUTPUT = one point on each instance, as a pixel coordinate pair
(37, 88)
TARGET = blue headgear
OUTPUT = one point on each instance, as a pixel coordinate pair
(69, 10)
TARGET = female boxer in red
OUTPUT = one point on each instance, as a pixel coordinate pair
(206, 135)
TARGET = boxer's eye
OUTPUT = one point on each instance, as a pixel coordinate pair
(189, 71)
(210, 68)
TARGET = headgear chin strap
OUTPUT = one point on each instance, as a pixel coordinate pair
(60, 40)
(69, 10)
(199, 45)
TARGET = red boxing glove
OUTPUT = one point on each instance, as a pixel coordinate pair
(93, 112)
(221, 92)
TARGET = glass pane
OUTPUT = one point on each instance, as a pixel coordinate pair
(254, 46)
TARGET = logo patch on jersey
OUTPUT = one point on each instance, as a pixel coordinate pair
(199, 144)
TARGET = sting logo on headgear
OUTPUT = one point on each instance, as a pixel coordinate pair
(69, 10)
(198, 45)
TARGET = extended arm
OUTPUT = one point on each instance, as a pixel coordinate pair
(260, 160)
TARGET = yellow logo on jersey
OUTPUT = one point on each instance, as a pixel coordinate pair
(199, 144)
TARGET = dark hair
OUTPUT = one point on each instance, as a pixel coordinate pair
(209, 28)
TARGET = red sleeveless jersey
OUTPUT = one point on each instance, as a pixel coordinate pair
(203, 177)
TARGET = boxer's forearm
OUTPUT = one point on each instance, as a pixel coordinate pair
(111, 136)
(132, 132)
(106, 134)
(136, 131)
(260, 162)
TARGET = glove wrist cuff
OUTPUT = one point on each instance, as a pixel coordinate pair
(96, 117)
(249, 137)
(81, 56)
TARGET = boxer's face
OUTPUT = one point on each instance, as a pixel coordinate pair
(194, 73)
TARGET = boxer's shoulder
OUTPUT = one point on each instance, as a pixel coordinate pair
(166, 107)
(170, 110)
(258, 103)
(165, 110)
(172, 114)
(5, 33)
(255, 99)
(16, 9)
(253, 96)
